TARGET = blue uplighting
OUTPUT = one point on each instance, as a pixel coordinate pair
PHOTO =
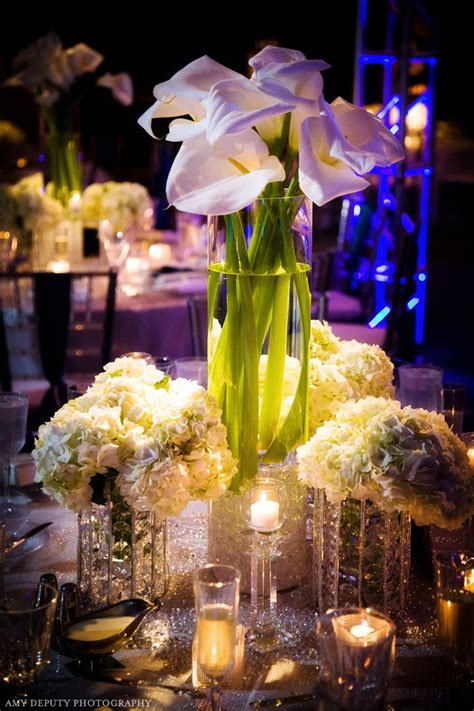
(378, 318)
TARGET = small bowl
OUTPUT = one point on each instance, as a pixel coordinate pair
(135, 608)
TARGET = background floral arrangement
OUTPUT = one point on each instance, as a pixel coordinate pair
(123, 204)
(161, 441)
(402, 459)
(26, 205)
(58, 79)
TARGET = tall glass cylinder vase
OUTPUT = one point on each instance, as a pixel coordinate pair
(259, 307)
(122, 553)
(361, 556)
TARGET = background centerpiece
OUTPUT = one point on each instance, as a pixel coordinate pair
(254, 153)
(59, 78)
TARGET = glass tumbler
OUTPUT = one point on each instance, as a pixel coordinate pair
(26, 624)
(420, 386)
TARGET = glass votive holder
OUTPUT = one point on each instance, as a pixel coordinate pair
(262, 505)
(454, 398)
(192, 369)
(420, 386)
(141, 355)
(454, 574)
(356, 654)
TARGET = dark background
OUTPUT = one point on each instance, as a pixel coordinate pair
(151, 43)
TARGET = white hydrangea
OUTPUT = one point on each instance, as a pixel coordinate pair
(164, 440)
(124, 204)
(403, 459)
(340, 371)
(31, 206)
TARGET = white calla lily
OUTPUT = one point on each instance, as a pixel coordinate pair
(221, 179)
(364, 141)
(186, 91)
(121, 86)
(83, 59)
(236, 105)
(288, 75)
(284, 81)
(322, 176)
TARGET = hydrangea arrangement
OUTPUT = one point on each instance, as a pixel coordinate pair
(123, 204)
(27, 205)
(160, 440)
(341, 371)
(402, 459)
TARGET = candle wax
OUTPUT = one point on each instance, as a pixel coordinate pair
(362, 630)
(265, 514)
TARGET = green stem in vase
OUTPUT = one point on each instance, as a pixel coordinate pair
(260, 281)
(275, 368)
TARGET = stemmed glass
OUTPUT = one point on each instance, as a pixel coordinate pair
(116, 244)
(216, 595)
(13, 414)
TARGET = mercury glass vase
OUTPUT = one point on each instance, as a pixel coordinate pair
(361, 556)
(122, 553)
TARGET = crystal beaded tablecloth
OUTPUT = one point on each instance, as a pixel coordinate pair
(424, 677)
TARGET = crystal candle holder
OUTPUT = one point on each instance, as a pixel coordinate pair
(262, 512)
(356, 653)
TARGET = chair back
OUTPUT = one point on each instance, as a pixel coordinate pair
(41, 315)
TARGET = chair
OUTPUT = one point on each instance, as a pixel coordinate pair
(42, 314)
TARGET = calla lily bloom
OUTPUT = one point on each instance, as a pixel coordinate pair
(221, 179)
(322, 176)
(364, 141)
(283, 81)
(186, 91)
(236, 105)
(121, 86)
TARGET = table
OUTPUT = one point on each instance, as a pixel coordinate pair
(424, 677)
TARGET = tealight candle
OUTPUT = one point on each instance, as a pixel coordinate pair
(470, 454)
(265, 513)
(361, 629)
(469, 581)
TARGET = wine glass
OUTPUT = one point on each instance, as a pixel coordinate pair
(216, 595)
(116, 244)
(13, 414)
